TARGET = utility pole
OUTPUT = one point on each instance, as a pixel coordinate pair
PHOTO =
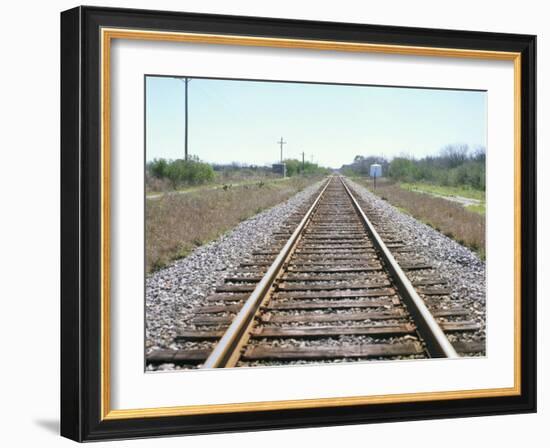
(186, 116)
(303, 162)
(186, 80)
(281, 142)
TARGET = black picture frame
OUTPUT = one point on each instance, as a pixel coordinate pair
(81, 223)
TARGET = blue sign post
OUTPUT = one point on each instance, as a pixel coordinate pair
(375, 171)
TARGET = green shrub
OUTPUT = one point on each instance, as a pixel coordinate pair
(404, 169)
(157, 168)
(182, 172)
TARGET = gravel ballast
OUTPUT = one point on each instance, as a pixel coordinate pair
(462, 268)
(172, 293)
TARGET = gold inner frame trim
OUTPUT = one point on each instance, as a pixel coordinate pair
(107, 35)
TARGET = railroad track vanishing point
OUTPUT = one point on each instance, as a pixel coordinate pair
(329, 288)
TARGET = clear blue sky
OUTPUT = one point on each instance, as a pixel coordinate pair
(241, 121)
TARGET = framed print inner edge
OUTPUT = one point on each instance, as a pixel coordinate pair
(107, 35)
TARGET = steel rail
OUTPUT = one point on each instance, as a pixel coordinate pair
(225, 348)
(436, 342)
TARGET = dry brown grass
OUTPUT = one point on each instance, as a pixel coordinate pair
(451, 219)
(177, 223)
(155, 185)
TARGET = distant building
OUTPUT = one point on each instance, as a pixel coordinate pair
(279, 168)
(375, 170)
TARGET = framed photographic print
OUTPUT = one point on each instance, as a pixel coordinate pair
(274, 223)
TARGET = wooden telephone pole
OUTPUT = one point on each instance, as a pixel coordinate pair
(186, 80)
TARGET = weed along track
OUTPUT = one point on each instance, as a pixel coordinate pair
(334, 284)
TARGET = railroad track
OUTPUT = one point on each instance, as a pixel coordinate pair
(329, 288)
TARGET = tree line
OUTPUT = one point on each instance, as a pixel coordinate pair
(193, 171)
(294, 167)
(455, 165)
